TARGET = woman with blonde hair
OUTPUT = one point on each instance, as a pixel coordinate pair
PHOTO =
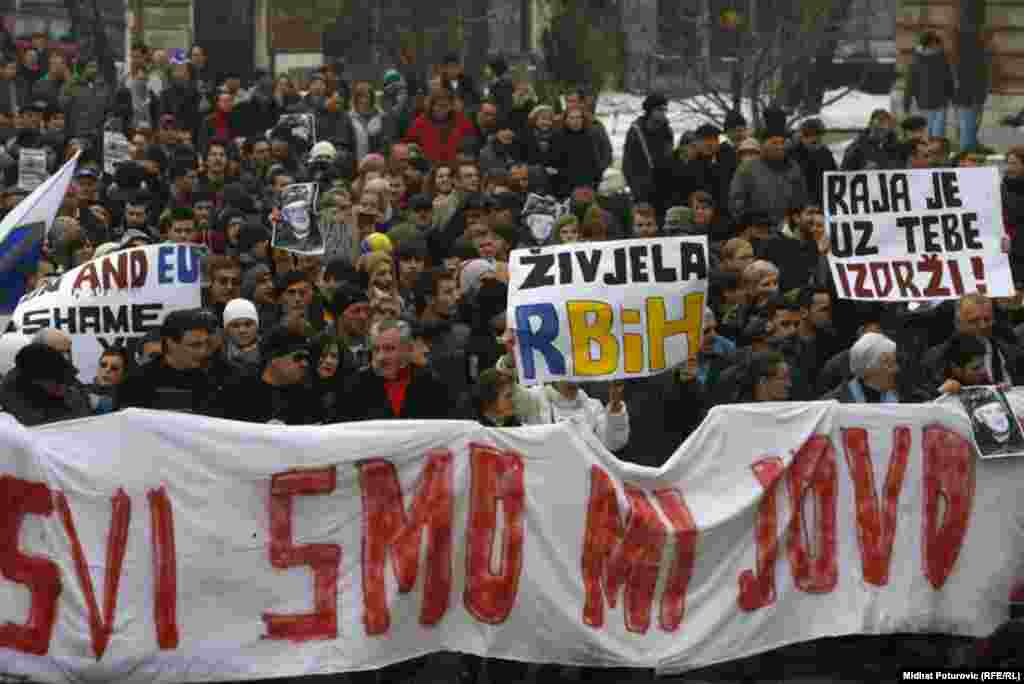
(382, 279)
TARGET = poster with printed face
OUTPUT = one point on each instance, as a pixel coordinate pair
(541, 213)
(607, 310)
(916, 235)
(301, 126)
(116, 150)
(997, 428)
(114, 300)
(299, 228)
(31, 168)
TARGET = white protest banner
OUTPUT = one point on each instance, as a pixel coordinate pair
(31, 168)
(160, 547)
(116, 150)
(114, 300)
(926, 234)
(607, 310)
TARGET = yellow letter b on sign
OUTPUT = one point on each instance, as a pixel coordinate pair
(583, 331)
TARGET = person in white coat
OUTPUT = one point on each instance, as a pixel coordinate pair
(566, 401)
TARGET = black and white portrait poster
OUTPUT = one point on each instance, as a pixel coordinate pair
(298, 231)
(116, 150)
(301, 126)
(997, 429)
(31, 168)
(540, 213)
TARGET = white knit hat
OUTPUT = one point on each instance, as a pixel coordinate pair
(323, 149)
(238, 309)
(867, 351)
(612, 183)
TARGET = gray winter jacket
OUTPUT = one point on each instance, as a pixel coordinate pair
(766, 187)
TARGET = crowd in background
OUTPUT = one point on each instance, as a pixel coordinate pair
(423, 177)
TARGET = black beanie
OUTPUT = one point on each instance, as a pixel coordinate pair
(251, 234)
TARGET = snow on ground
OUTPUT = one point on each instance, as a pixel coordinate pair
(618, 110)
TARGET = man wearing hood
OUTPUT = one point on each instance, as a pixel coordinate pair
(930, 82)
(648, 150)
(877, 148)
(42, 387)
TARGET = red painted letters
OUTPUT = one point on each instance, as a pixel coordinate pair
(604, 530)
(100, 626)
(949, 483)
(757, 589)
(617, 555)
(876, 524)
(387, 528)
(323, 559)
(496, 476)
(19, 498)
(684, 531)
(635, 560)
(165, 570)
(814, 468)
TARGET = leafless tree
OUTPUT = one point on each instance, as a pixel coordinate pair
(766, 54)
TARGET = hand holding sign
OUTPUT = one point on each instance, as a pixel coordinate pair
(616, 390)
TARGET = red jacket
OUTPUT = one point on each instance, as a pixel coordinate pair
(427, 135)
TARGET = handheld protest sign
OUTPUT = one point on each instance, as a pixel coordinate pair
(113, 300)
(607, 310)
(116, 150)
(299, 228)
(917, 235)
(31, 168)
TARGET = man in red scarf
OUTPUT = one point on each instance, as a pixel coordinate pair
(391, 387)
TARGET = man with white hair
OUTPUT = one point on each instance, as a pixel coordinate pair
(875, 369)
(58, 340)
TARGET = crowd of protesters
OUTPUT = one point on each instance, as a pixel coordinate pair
(423, 178)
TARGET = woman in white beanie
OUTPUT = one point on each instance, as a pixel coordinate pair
(875, 369)
(241, 335)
